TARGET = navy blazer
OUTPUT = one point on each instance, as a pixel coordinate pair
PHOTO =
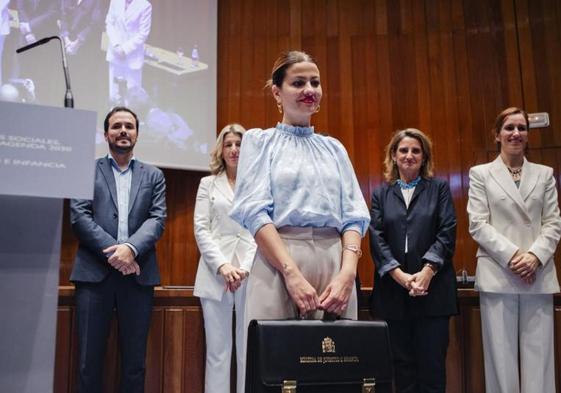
(82, 20)
(430, 225)
(95, 222)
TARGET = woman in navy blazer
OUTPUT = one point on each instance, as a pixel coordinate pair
(412, 240)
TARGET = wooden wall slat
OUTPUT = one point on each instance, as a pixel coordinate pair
(174, 350)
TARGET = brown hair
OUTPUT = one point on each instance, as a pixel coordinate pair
(391, 172)
(285, 60)
(217, 164)
(501, 118)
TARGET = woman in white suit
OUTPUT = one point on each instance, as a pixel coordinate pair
(227, 252)
(514, 218)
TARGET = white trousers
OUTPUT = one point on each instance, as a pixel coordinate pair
(218, 333)
(133, 78)
(518, 325)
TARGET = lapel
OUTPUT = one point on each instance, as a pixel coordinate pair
(222, 186)
(499, 173)
(104, 166)
(137, 176)
(528, 180)
(130, 11)
(397, 192)
(418, 190)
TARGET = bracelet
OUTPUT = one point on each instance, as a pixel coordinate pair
(353, 248)
(432, 267)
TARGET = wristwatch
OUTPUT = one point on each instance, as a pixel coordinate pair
(432, 267)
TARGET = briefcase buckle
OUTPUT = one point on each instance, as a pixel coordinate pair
(369, 385)
(288, 386)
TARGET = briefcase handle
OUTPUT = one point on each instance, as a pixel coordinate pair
(368, 386)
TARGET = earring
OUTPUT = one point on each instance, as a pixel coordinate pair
(317, 110)
(279, 107)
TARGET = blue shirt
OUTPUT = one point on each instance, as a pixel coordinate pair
(123, 180)
(289, 175)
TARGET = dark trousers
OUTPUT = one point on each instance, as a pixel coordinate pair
(94, 307)
(419, 354)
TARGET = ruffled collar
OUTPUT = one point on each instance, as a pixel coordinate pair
(295, 130)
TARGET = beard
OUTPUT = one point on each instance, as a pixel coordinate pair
(113, 146)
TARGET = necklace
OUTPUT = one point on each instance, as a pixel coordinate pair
(407, 186)
(516, 174)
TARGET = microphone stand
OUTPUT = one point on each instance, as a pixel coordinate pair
(68, 97)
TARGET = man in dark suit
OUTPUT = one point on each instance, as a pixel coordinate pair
(115, 266)
(81, 24)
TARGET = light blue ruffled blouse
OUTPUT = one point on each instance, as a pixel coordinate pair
(289, 175)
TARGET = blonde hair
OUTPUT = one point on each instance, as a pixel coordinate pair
(217, 164)
(391, 172)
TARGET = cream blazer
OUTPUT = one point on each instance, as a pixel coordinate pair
(504, 218)
(220, 239)
(128, 28)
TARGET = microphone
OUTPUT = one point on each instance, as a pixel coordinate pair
(68, 97)
(34, 44)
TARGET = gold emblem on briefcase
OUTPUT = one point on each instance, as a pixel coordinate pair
(328, 345)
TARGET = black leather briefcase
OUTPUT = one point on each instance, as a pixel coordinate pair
(316, 356)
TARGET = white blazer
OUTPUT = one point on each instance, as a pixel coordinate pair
(219, 238)
(504, 218)
(128, 28)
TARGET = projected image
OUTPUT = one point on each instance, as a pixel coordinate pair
(156, 57)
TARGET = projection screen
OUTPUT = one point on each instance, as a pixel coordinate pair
(156, 57)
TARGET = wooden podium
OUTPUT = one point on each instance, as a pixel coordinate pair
(46, 154)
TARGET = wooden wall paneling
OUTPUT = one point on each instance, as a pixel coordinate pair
(183, 348)
(194, 350)
(465, 246)
(155, 353)
(174, 351)
(295, 38)
(177, 250)
(260, 69)
(230, 40)
(540, 37)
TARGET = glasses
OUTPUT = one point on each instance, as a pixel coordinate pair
(512, 127)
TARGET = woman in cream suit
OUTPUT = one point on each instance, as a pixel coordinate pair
(227, 252)
(514, 217)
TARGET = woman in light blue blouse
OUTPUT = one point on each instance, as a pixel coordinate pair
(298, 195)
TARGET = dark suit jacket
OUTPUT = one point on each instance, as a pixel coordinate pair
(430, 224)
(81, 21)
(95, 222)
(40, 14)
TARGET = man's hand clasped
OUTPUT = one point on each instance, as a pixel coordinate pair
(121, 257)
